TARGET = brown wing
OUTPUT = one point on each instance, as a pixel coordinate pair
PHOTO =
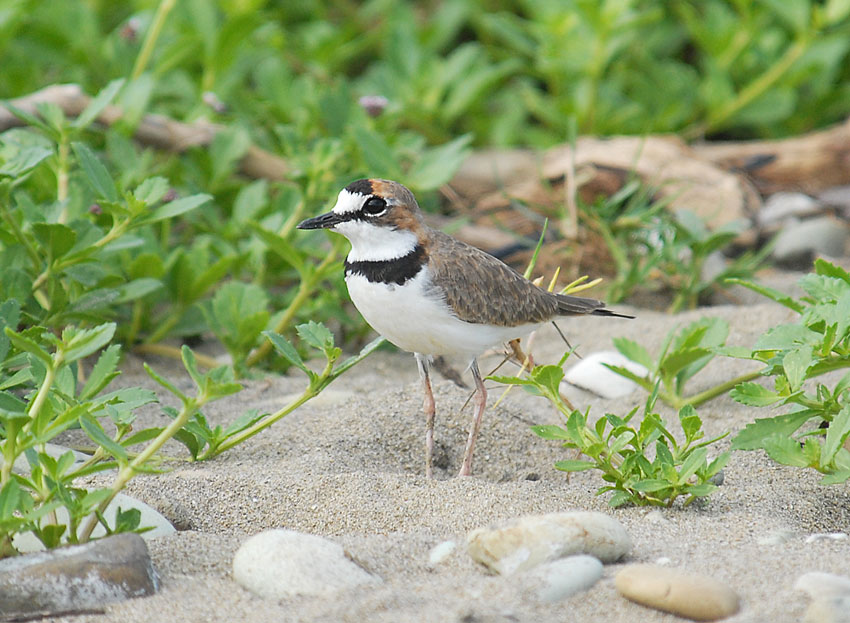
(482, 289)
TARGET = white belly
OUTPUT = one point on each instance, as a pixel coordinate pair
(417, 322)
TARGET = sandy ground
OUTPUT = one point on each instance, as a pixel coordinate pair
(349, 466)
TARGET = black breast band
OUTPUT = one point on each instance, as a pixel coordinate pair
(397, 271)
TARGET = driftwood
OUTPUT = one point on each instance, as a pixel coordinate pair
(155, 131)
(809, 163)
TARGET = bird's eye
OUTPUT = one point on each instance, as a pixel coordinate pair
(374, 206)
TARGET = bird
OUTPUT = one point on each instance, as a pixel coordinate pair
(431, 294)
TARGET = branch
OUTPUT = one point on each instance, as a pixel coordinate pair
(153, 130)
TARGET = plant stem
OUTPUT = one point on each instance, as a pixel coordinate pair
(151, 37)
(305, 291)
(698, 399)
(62, 178)
(190, 407)
(173, 352)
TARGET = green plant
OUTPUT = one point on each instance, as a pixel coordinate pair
(650, 244)
(624, 452)
(682, 355)
(813, 433)
(205, 442)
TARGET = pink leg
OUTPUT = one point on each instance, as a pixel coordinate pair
(429, 409)
(480, 404)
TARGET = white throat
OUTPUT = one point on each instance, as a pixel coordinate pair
(373, 243)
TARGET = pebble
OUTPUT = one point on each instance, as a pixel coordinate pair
(799, 240)
(562, 578)
(830, 596)
(590, 374)
(776, 537)
(79, 578)
(26, 542)
(441, 552)
(826, 536)
(784, 205)
(523, 543)
(690, 595)
(277, 564)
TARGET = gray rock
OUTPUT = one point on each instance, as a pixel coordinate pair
(522, 544)
(691, 595)
(591, 374)
(797, 242)
(559, 579)
(283, 563)
(779, 207)
(73, 579)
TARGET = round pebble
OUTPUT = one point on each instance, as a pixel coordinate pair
(559, 579)
(590, 374)
(283, 563)
(526, 542)
(691, 595)
(441, 552)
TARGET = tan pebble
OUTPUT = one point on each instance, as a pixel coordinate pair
(691, 595)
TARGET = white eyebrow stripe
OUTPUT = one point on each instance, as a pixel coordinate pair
(348, 202)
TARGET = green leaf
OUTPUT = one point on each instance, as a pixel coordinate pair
(836, 434)
(281, 246)
(620, 498)
(551, 431)
(690, 422)
(102, 372)
(756, 434)
(377, 154)
(822, 266)
(795, 364)
(98, 103)
(754, 395)
(287, 350)
(695, 461)
(574, 466)
(785, 450)
(771, 293)
(439, 164)
(316, 335)
(165, 383)
(364, 352)
(151, 190)
(57, 239)
(95, 431)
(177, 207)
(79, 343)
(96, 174)
(548, 376)
(191, 365)
(24, 161)
(635, 352)
(25, 344)
(651, 485)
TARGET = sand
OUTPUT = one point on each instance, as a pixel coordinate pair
(349, 466)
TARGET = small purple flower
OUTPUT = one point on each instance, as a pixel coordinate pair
(374, 105)
(95, 209)
(212, 100)
(130, 31)
(171, 195)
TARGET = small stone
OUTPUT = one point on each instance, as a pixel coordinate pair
(77, 578)
(820, 585)
(826, 536)
(834, 610)
(523, 543)
(559, 579)
(836, 196)
(784, 205)
(590, 374)
(799, 241)
(776, 537)
(690, 595)
(440, 552)
(283, 563)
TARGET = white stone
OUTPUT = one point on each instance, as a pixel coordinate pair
(826, 536)
(523, 543)
(559, 579)
(590, 374)
(441, 552)
(54, 451)
(820, 585)
(150, 518)
(798, 240)
(835, 610)
(283, 563)
(776, 537)
(783, 205)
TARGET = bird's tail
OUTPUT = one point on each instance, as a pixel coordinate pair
(576, 305)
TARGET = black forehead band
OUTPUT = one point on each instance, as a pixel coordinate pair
(360, 187)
